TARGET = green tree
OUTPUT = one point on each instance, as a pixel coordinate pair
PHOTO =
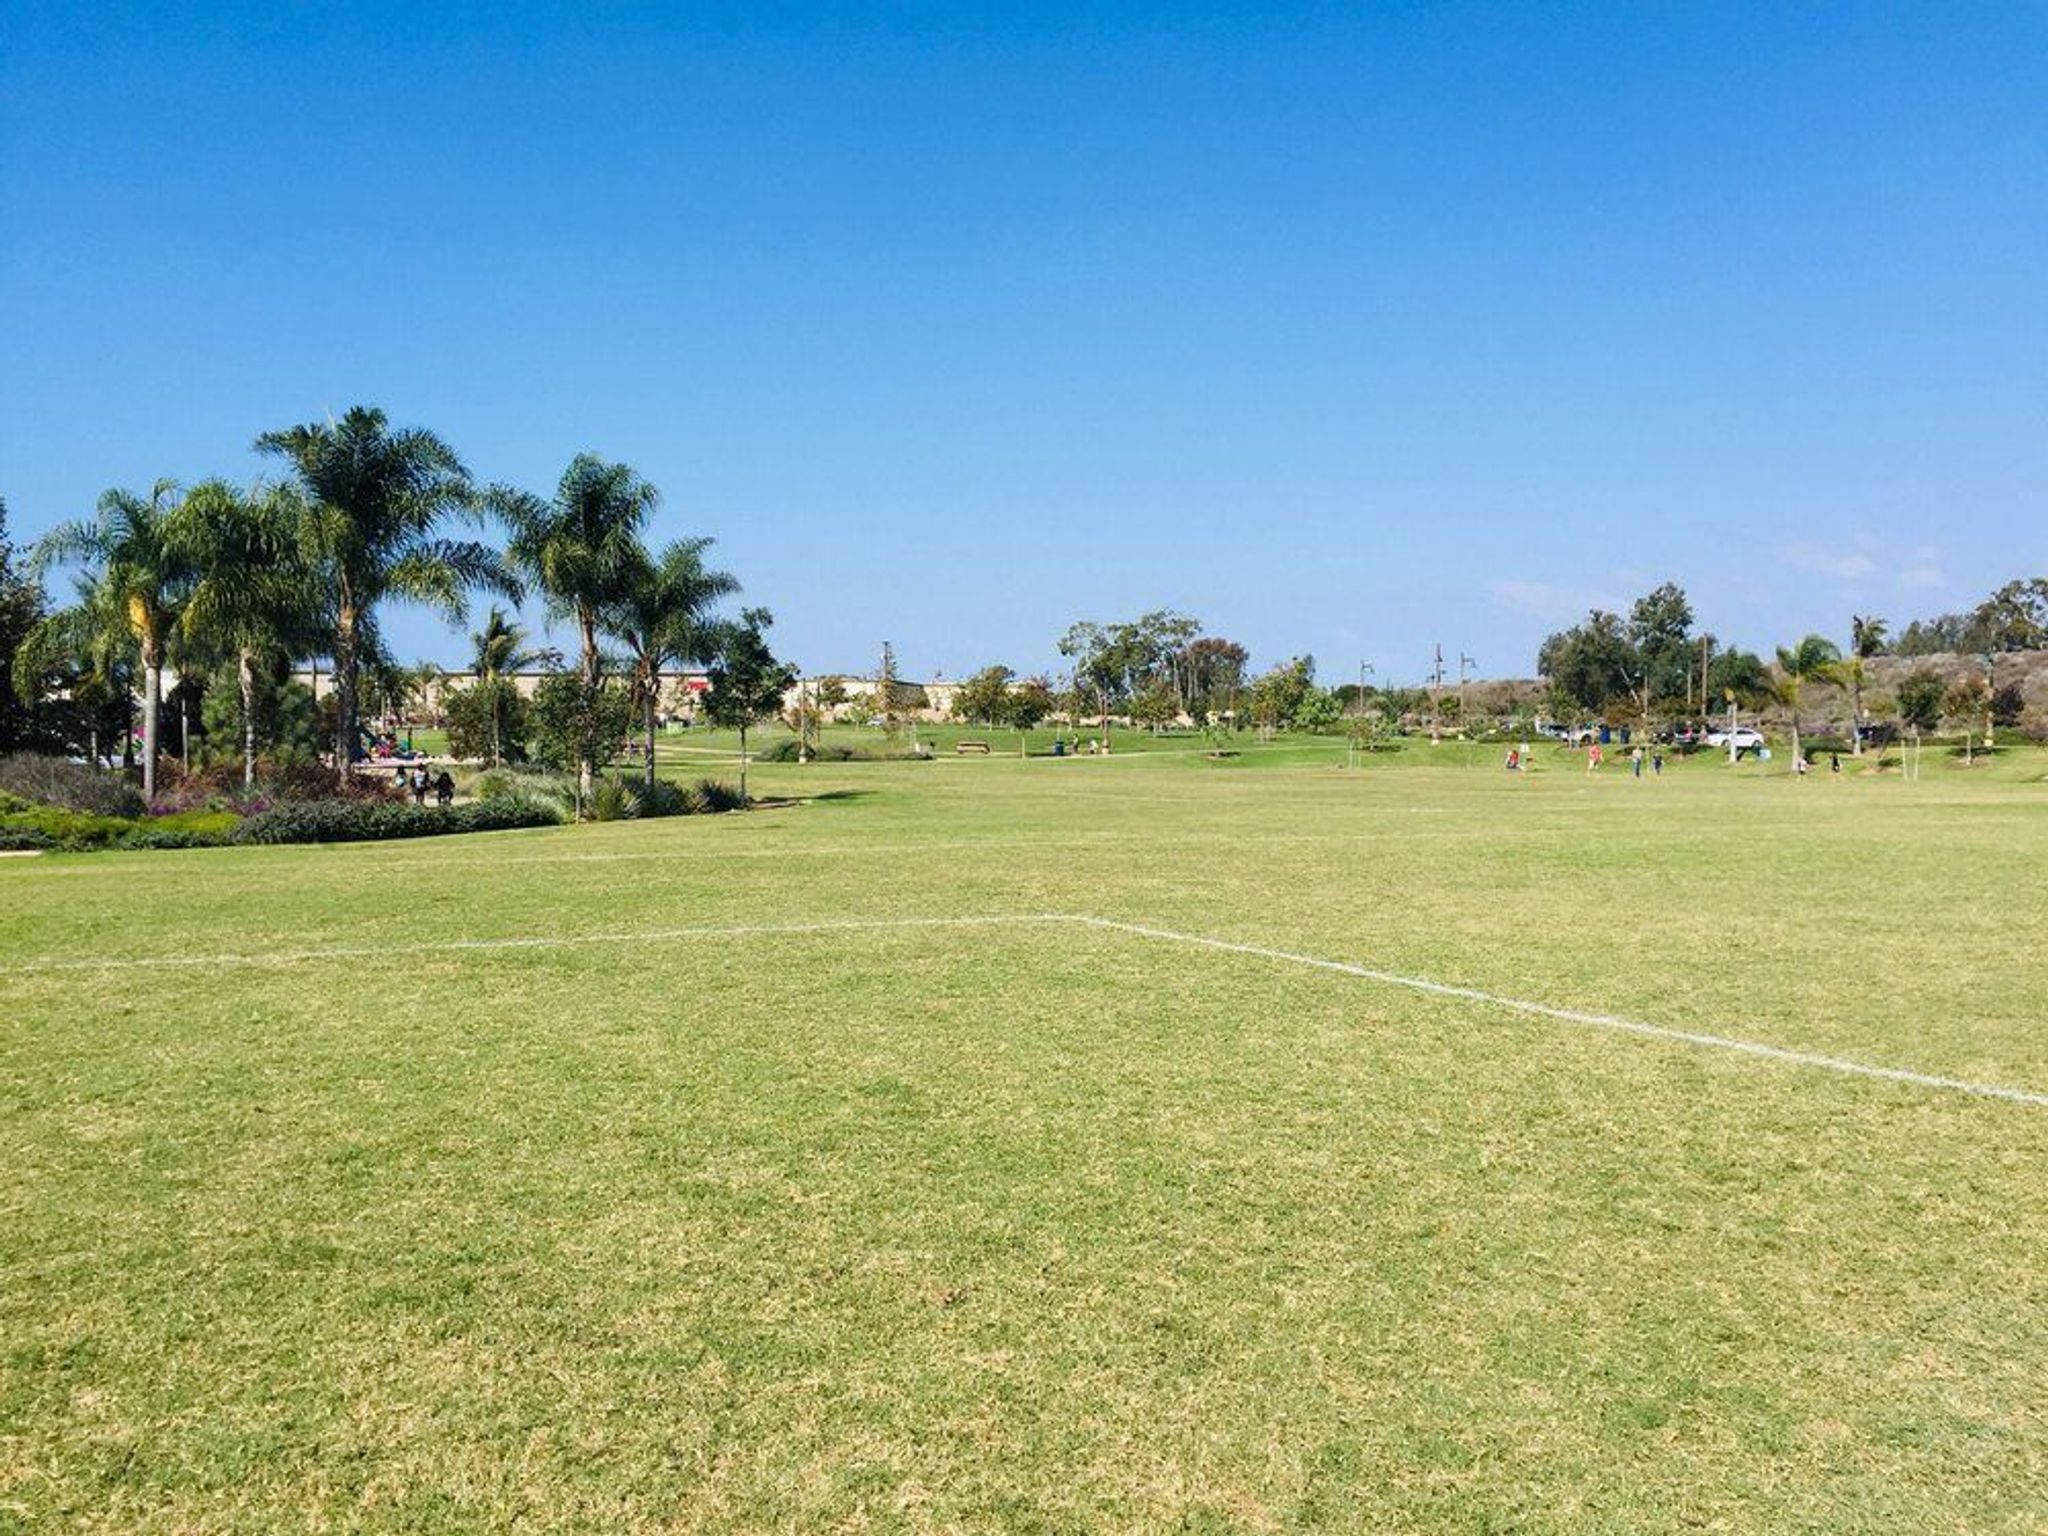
(663, 618)
(2014, 618)
(1660, 633)
(497, 651)
(375, 501)
(287, 723)
(488, 720)
(1277, 694)
(747, 682)
(582, 550)
(574, 723)
(1812, 660)
(1591, 665)
(23, 689)
(1215, 669)
(253, 601)
(1031, 701)
(138, 573)
(1741, 676)
(985, 697)
(1919, 699)
(1154, 705)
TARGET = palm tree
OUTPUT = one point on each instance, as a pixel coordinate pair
(375, 501)
(1866, 639)
(138, 573)
(91, 643)
(1814, 659)
(500, 648)
(582, 550)
(253, 598)
(664, 618)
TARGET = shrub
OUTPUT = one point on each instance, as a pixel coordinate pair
(73, 786)
(663, 798)
(714, 796)
(81, 831)
(786, 751)
(531, 785)
(613, 800)
(23, 840)
(344, 821)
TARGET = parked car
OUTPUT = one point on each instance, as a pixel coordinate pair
(1744, 738)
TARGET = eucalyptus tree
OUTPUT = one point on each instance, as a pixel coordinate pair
(136, 572)
(375, 501)
(1813, 660)
(664, 618)
(582, 550)
(253, 599)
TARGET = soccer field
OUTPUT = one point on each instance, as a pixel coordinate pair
(1148, 1143)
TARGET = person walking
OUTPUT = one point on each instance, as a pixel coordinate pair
(1657, 762)
(444, 789)
(1635, 762)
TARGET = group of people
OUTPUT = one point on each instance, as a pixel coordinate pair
(417, 781)
(1519, 759)
(383, 746)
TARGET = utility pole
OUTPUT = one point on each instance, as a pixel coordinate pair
(1464, 720)
(1436, 690)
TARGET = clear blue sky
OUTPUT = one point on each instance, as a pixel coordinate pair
(1347, 328)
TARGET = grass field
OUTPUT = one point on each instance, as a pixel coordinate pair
(738, 1201)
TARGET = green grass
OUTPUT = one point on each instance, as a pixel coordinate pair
(1042, 1227)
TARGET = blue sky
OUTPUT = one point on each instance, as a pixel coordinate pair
(1349, 329)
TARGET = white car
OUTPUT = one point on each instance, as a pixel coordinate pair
(1743, 738)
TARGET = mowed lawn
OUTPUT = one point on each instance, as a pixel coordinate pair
(695, 1216)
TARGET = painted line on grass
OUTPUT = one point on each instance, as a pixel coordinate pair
(1422, 984)
(1576, 1016)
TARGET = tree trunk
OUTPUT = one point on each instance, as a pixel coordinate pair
(245, 675)
(152, 688)
(586, 768)
(345, 690)
(1855, 719)
(650, 736)
(743, 764)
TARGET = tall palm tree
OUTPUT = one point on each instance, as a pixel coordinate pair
(1814, 659)
(138, 573)
(253, 598)
(582, 550)
(1866, 639)
(375, 502)
(664, 618)
(500, 648)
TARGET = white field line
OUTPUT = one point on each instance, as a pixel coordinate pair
(1576, 1016)
(1103, 924)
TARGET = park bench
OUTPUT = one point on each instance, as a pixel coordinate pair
(965, 747)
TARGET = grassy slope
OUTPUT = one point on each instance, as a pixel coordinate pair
(1045, 1228)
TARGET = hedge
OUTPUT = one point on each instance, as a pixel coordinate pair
(344, 821)
(53, 827)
